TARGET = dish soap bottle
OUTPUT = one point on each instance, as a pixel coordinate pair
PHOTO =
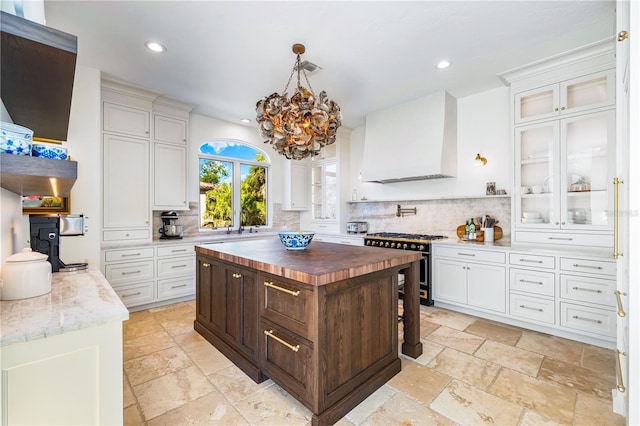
(354, 195)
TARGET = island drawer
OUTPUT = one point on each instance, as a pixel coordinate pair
(128, 254)
(471, 255)
(176, 250)
(530, 260)
(286, 302)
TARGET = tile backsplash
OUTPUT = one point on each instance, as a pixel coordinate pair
(441, 216)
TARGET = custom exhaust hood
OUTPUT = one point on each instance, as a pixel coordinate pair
(416, 140)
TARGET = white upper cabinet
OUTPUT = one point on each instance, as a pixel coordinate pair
(169, 177)
(124, 119)
(296, 185)
(566, 97)
(169, 129)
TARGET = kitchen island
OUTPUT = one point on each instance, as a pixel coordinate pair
(321, 322)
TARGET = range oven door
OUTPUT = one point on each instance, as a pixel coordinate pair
(426, 297)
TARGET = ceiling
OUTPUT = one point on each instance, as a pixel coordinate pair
(222, 56)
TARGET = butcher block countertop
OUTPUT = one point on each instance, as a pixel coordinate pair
(320, 264)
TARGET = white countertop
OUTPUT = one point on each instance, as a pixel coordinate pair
(77, 300)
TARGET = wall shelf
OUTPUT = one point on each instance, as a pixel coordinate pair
(26, 175)
(462, 197)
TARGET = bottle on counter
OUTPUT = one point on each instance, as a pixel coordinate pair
(354, 195)
(466, 230)
(472, 229)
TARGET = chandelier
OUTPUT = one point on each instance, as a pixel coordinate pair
(298, 127)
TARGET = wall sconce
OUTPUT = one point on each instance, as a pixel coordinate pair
(480, 161)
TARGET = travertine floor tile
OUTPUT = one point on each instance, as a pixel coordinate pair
(170, 391)
(401, 410)
(145, 368)
(599, 360)
(211, 409)
(495, 332)
(551, 346)
(370, 405)
(133, 328)
(418, 381)
(235, 385)
(531, 418)
(147, 344)
(511, 357)
(427, 327)
(578, 378)
(455, 339)
(465, 367)
(273, 406)
(548, 399)
(595, 411)
(176, 326)
(131, 417)
(128, 398)
(429, 351)
(191, 340)
(446, 317)
(468, 405)
(209, 359)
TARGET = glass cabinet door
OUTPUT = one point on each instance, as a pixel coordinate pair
(588, 153)
(324, 190)
(587, 92)
(537, 194)
(538, 103)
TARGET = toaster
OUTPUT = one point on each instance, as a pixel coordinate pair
(357, 227)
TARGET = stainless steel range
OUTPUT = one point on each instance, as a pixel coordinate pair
(414, 242)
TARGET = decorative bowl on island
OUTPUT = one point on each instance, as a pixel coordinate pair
(295, 240)
(48, 150)
(15, 139)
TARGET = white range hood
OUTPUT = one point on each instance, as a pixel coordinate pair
(416, 140)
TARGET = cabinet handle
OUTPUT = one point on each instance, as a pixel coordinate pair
(622, 36)
(131, 294)
(131, 272)
(587, 319)
(621, 312)
(178, 286)
(530, 261)
(586, 289)
(560, 238)
(130, 254)
(275, 287)
(269, 333)
(620, 384)
(178, 266)
(206, 265)
(616, 224)
(177, 250)
(236, 275)
(530, 308)
(532, 282)
(577, 265)
(466, 254)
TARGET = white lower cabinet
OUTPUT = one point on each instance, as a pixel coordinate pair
(352, 240)
(151, 275)
(480, 285)
(569, 296)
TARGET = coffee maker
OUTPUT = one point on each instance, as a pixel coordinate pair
(169, 229)
(45, 232)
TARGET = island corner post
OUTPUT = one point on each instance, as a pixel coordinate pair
(412, 346)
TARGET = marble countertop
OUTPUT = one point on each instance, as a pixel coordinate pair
(77, 300)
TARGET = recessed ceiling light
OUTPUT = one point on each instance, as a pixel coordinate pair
(443, 64)
(245, 120)
(155, 46)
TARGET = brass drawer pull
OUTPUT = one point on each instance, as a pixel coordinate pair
(531, 261)
(179, 286)
(269, 333)
(620, 384)
(577, 265)
(586, 289)
(466, 254)
(532, 282)
(206, 265)
(236, 275)
(530, 308)
(587, 319)
(130, 254)
(621, 312)
(131, 294)
(275, 287)
(131, 272)
(178, 266)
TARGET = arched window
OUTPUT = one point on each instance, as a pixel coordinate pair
(233, 185)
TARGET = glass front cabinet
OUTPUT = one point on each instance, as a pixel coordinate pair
(324, 189)
(564, 180)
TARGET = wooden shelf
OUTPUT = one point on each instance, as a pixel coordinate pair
(27, 175)
(462, 197)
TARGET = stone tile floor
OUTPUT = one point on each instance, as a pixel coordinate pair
(472, 372)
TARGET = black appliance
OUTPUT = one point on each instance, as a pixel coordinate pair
(45, 238)
(169, 230)
(414, 242)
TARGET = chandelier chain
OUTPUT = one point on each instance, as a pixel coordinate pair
(291, 75)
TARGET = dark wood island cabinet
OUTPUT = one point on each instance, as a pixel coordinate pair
(320, 322)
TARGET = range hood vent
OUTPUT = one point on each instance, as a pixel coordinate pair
(416, 140)
(38, 68)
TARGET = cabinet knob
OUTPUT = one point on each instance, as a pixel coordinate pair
(623, 35)
(206, 265)
(556, 109)
(563, 223)
(562, 109)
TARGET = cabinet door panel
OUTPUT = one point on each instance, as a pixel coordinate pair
(450, 281)
(125, 119)
(169, 177)
(487, 287)
(169, 130)
(286, 303)
(538, 103)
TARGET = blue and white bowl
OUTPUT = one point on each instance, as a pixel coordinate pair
(296, 240)
(15, 139)
(48, 150)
